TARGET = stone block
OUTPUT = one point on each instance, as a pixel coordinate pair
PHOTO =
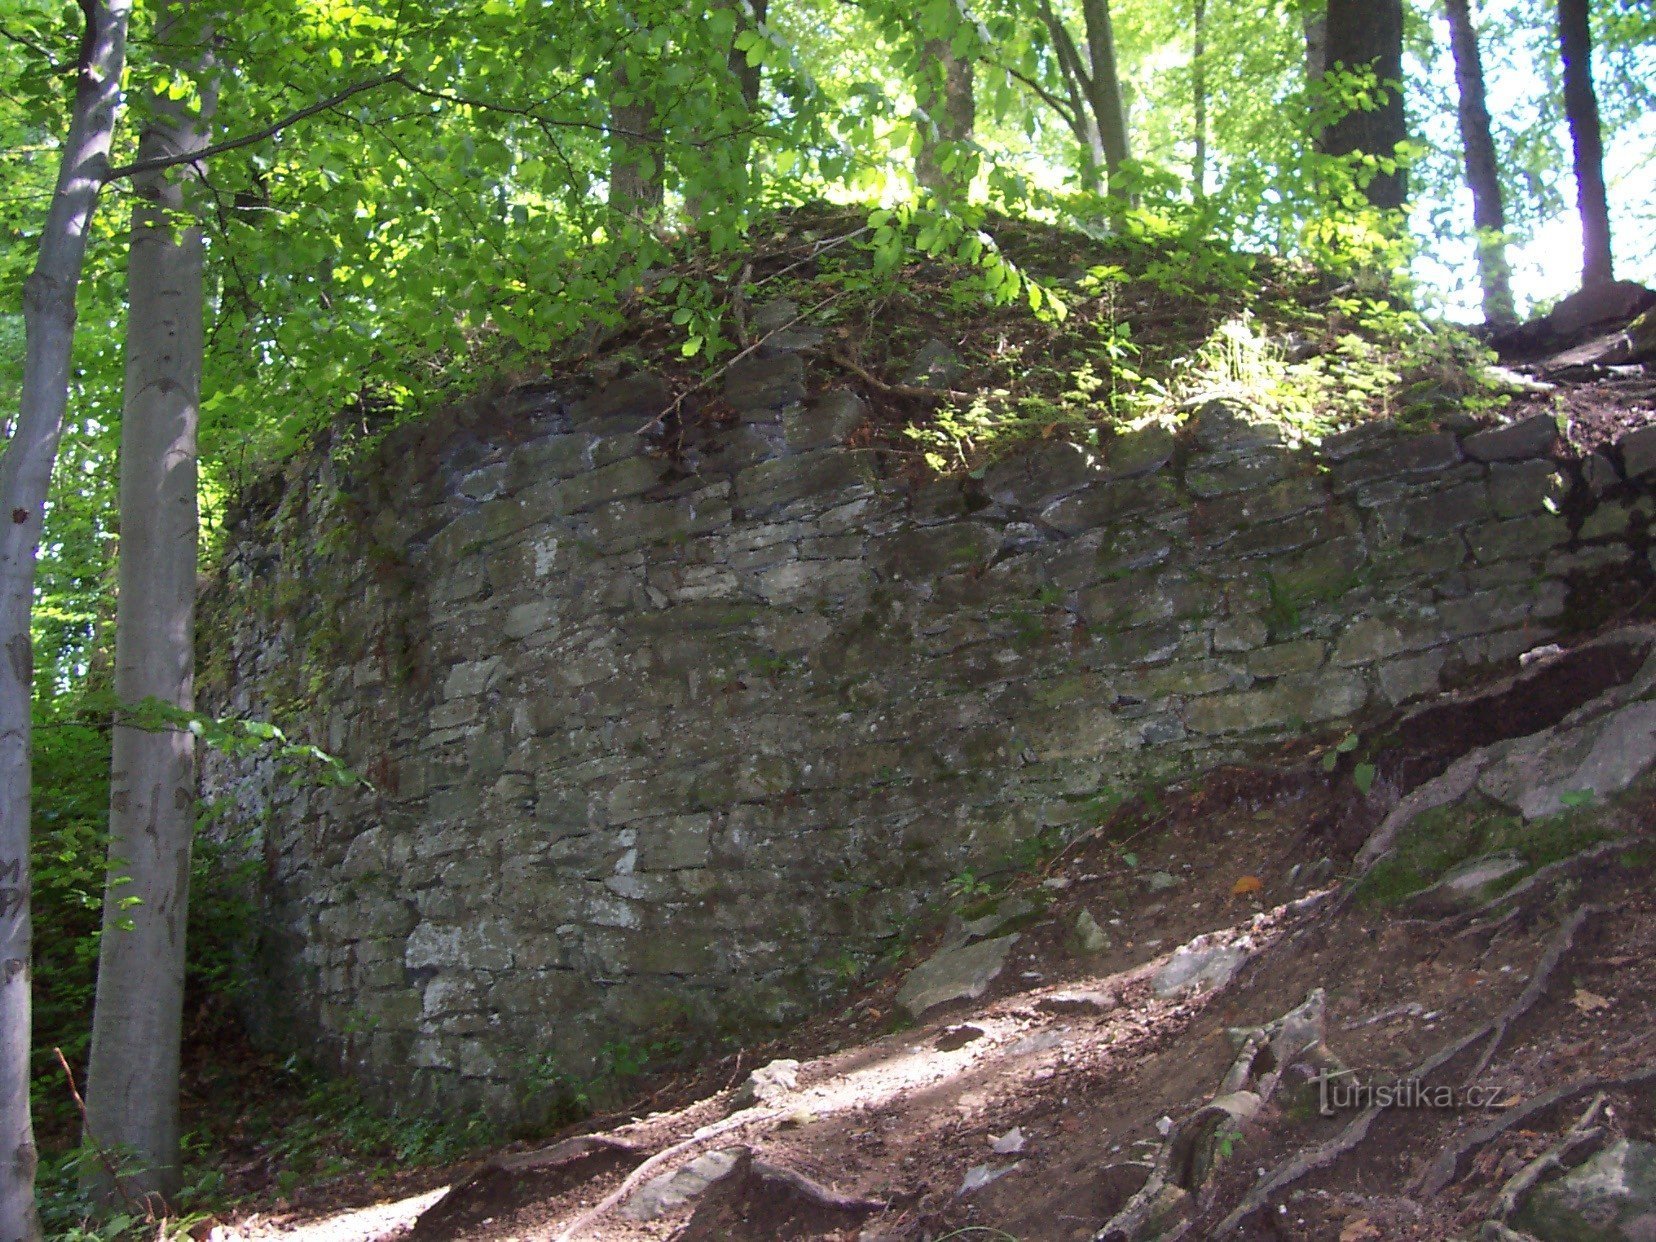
(1436, 515)
(1300, 656)
(1520, 538)
(1141, 451)
(1528, 437)
(765, 382)
(1638, 452)
(1409, 677)
(1400, 457)
(1294, 700)
(1526, 488)
(827, 474)
(1211, 476)
(1109, 502)
(1035, 478)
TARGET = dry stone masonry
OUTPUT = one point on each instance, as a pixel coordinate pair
(668, 731)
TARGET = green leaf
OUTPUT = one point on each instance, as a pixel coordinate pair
(1362, 776)
(1577, 797)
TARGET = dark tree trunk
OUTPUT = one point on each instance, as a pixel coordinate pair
(1198, 78)
(1575, 43)
(638, 182)
(1368, 34)
(1482, 170)
(950, 105)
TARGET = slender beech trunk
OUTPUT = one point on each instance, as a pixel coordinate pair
(1106, 94)
(1198, 87)
(25, 476)
(1314, 23)
(950, 105)
(1575, 43)
(1368, 34)
(1097, 114)
(638, 182)
(1482, 169)
(132, 1085)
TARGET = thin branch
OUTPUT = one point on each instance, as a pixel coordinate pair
(156, 163)
(103, 1153)
(1052, 101)
(52, 62)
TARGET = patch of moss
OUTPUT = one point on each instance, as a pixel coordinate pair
(1443, 838)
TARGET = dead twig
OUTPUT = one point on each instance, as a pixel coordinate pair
(677, 402)
(919, 391)
(104, 1158)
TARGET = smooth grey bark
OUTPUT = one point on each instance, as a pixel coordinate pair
(1368, 34)
(1198, 88)
(25, 477)
(949, 100)
(132, 1082)
(1581, 110)
(1097, 113)
(1314, 24)
(1483, 174)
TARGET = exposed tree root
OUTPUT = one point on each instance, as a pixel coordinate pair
(653, 1165)
(1183, 1162)
(815, 1192)
(1357, 1130)
(1562, 944)
(1448, 1167)
(1582, 1135)
(1564, 868)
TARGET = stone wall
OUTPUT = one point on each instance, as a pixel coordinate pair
(668, 730)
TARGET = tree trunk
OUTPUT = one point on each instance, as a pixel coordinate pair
(25, 476)
(950, 105)
(1198, 87)
(132, 1084)
(1105, 92)
(638, 182)
(1314, 22)
(1575, 42)
(726, 167)
(1368, 34)
(1482, 169)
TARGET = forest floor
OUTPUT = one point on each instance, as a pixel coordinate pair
(1039, 1109)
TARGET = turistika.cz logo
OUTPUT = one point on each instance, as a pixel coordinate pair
(1344, 1092)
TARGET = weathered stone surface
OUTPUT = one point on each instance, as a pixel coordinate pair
(1404, 456)
(765, 382)
(654, 732)
(1466, 885)
(1610, 1198)
(1526, 488)
(1206, 964)
(671, 1191)
(1592, 760)
(960, 973)
(1528, 437)
(1638, 451)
